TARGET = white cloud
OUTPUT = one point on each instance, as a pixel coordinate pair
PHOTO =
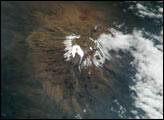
(140, 6)
(147, 11)
(78, 116)
(149, 63)
(160, 10)
(149, 79)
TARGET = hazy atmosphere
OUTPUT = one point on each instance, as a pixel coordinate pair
(82, 60)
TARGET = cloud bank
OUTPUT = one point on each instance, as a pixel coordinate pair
(149, 64)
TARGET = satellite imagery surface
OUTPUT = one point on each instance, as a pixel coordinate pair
(82, 59)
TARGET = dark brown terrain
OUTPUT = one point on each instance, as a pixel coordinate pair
(37, 82)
